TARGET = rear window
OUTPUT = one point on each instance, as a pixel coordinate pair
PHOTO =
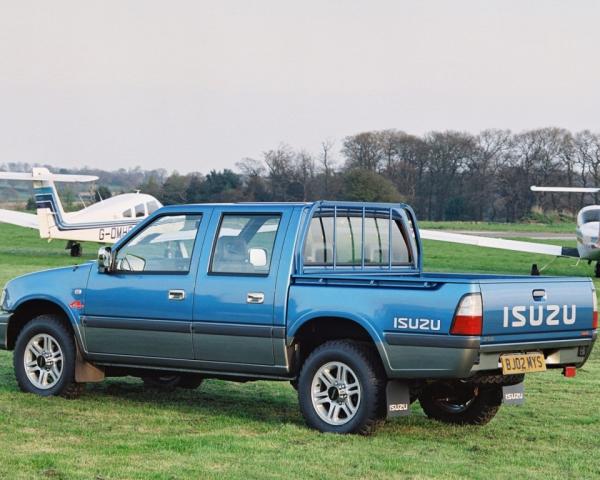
(318, 249)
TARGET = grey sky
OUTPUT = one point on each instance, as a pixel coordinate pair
(196, 85)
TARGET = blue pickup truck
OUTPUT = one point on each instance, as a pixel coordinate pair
(329, 296)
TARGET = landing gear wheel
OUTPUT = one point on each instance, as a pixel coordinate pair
(76, 250)
(44, 358)
(171, 382)
(462, 403)
(597, 270)
(341, 388)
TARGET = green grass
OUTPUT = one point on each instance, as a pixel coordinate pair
(561, 227)
(118, 430)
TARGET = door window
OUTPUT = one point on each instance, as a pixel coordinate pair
(165, 245)
(244, 244)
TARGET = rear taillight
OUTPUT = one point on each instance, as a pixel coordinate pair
(595, 304)
(468, 318)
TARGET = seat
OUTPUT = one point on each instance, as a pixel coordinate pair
(231, 256)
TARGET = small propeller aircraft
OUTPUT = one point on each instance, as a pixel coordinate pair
(105, 221)
(587, 234)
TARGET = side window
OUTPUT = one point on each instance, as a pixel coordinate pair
(140, 210)
(152, 207)
(127, 213)
(244, 244)
(165, 245)
(318, 249)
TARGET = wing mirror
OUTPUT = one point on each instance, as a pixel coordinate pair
(105, 259)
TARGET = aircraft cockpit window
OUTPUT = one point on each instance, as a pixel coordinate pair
(152, 207)
(140, 210)
(127, 213)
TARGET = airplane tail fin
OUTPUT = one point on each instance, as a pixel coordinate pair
(48, 204)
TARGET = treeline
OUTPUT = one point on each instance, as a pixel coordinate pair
(460, 176)
(443, 175)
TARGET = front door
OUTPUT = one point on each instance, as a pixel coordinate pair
(144, 307)
(234, 305)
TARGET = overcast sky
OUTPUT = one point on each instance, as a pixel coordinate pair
(196, 85)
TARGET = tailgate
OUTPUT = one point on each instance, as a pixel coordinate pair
(540, 306)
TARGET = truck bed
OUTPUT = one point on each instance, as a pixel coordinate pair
(519, 312)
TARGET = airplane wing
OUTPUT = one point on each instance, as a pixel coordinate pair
(514, 245)
(47, 176)
(565, 189)
(22, 219)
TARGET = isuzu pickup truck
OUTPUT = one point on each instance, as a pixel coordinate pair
(329, 296)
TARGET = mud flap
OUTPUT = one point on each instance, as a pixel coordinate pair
(86, 372)
(513, 394)
(397, 396)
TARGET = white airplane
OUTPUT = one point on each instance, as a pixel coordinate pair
(105, 221)
(587, 234)
(588, 224)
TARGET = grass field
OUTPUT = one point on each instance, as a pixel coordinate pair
(226, 430)
(560, 227)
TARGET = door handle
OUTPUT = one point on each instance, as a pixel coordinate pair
(176, 294)
(255, 297)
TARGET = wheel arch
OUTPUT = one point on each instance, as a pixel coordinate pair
(314, 329)
(29, 308)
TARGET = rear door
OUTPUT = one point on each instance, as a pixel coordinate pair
(552, 307)
(234, 297)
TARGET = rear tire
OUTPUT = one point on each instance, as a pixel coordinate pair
(171, 382)
(341, 388)
(461, 403)
(44, 358)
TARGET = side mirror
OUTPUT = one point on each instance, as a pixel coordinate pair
(104, 259)
(258, 257)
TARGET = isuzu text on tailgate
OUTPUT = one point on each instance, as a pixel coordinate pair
(329, 296)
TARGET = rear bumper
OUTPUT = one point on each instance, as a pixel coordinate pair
(4, 317)
(558, 353)
(444, 356)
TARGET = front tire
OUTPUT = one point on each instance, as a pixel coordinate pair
(461, 403)
(341, 388)
(44, 358)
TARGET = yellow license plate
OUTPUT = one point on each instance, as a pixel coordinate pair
(522, 363)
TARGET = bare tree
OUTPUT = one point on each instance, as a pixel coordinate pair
(327, 163)
(363, 151)
(306, 172)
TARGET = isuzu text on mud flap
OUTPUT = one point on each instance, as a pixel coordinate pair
(329, 296)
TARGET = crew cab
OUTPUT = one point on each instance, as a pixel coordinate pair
(330, 296)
